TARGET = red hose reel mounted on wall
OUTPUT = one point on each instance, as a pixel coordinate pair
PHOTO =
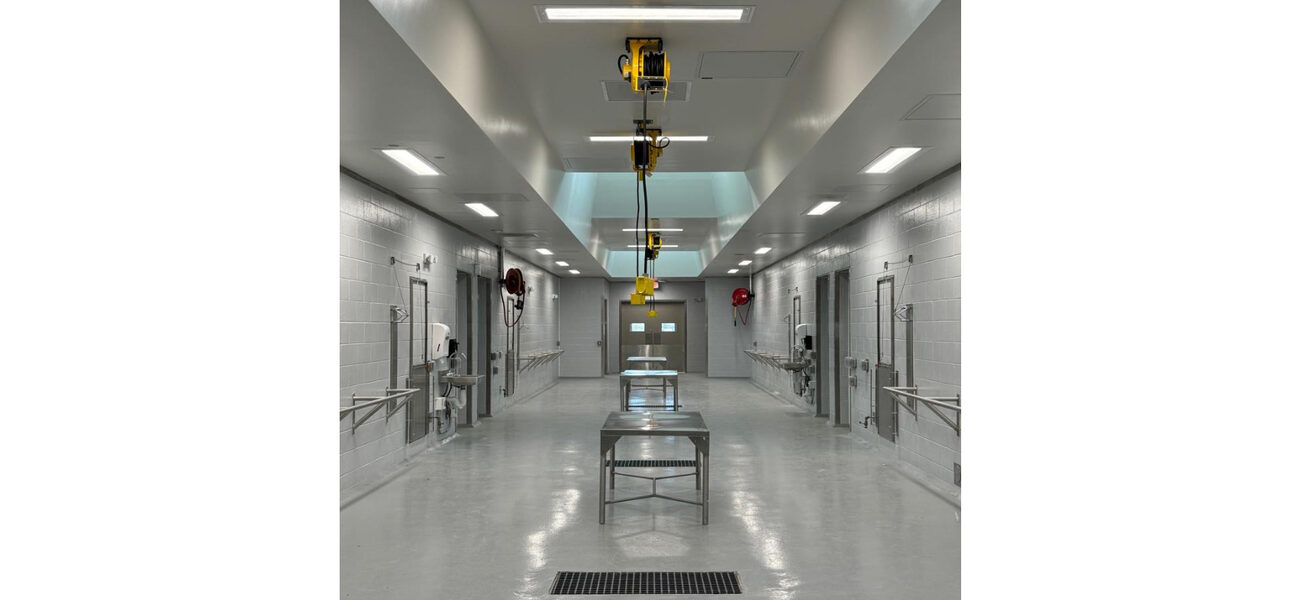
(741, 297)
(514, 285)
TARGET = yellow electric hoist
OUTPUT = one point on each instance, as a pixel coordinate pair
(645, 151)
(646, 66)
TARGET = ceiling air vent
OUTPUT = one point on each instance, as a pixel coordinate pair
(515, 234)
(747, 65)
(617, 90)
(492, 199)
(862, 187)
(936, 107)
(597, 165)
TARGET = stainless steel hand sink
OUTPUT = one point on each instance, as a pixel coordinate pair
(461, 380)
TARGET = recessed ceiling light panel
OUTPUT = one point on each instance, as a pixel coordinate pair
(627, 139)
(890, 160)
(544, 252)
(763, 250)
(560, 263)
(481, 209)
(730, 271)
(745, 263)
(412, 161)
(824, 207)
(624, 14)
(575, 271)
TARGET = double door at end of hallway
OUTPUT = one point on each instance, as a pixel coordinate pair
(661, 335)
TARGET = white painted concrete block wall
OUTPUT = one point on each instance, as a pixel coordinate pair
(926, 223)
(727, 342)
(372, 227)
(580, 304)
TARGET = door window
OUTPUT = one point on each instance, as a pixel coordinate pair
(638, 327)
(668, 327)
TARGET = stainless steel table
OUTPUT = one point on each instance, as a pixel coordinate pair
(649, 362)
(667, 375)
(646, 361)
(688, 424)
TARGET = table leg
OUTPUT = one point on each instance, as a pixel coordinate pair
(697, 468)
(706, 489)
(602, 486)
(676, 405)
(612, 454)
(627, 395)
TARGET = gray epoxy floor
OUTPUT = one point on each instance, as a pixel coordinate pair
(798, 509)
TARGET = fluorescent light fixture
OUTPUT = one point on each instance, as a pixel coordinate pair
(575, 271)
(730, 271)
(663, 246)
(652, 229)
(890, 159)
(561, 263)
(481, 209)
(618, 14)
(744, 263)
(763, 250)
(824, 207)
(544, 252)
(628, 138)
(412, 161)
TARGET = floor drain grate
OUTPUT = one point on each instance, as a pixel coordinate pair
(645, 582)
(663, 462)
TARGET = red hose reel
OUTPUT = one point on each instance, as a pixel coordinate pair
(515, 282)
(514, 285)
(741, 297)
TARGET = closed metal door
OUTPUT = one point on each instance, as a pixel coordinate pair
(464, 335)
(842, 409)
(482, 361)
(823, 344)
(662, 335)
(886, 407)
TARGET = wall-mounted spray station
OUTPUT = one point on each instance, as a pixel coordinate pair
(804, 351)
(513, 290)
(427, 364)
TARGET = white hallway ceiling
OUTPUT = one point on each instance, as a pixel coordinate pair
(562, 65)
(559, 69)
(389, 97)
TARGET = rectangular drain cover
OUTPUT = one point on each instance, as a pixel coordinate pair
(654, 462)
(645, 582)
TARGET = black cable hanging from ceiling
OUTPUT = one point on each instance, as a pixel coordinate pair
(636, 235)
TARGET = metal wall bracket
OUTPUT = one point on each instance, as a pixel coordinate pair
(393, 399)
(908, 261)
(934, 404)
(539, 359)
